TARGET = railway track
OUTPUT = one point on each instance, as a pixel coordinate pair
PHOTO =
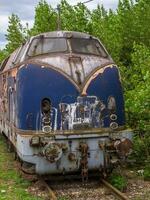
(51, 193)
(117, 194)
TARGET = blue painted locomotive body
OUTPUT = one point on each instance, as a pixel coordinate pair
(35, 83)
(57, 98)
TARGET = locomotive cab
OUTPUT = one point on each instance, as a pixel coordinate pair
(65, 43)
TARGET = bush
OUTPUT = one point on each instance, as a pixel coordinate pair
(118, 181)
(137, 89)
(147, 173)
(136, 81)
(141, 148)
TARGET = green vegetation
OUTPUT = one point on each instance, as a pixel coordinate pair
(141, 148)
(147, 173)
(45, 18)
(63, 198)
(15, 35)
(118, 181)
(126, 35)
(12, 186)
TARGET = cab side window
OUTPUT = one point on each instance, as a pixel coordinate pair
(2, 66)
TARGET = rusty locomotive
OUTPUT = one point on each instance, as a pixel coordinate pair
(61, 105)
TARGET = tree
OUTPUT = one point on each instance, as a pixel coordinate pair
(141, 22)
(106, 26)
(14, 36)
(67, 14)
(75, 18)
(137, 88)
(45, 18)
(126, 17)
(3, 55)
(82, 18)
(97, 21)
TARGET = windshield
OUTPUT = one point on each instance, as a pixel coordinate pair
(87, 46)
(47, 45)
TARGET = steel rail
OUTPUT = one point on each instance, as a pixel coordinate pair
(51, 194)
(114, 190)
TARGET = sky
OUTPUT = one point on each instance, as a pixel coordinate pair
(25, 10)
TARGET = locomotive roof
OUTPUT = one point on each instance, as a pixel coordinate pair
(21, 55)
(66, 34)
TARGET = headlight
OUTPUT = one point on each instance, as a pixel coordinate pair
(111, 104)
(46, 105)
(113, 117)
(113, 125)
